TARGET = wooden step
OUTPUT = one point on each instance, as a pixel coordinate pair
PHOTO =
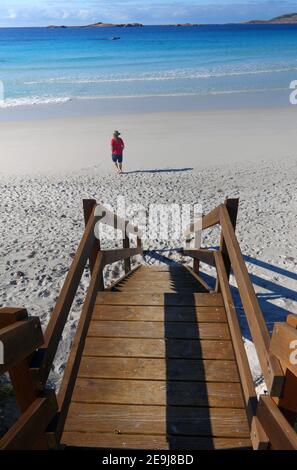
(156, 313)
(157, 420)
(153, 442)
(177, 348)
(139, 329)
(158, 369)
(152, 392)
(119, 298)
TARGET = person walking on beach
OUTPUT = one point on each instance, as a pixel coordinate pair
(117, 147)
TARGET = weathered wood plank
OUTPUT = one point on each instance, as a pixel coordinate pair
(153, 442)
(281, 434)
(19, 341)
(259, 438)
(9, 315)
(208, 220)
(123, 329)
(119, 298)
(111, 256)
(158, 369)
(88, 208)
(73, 362)
(147, 313)
(127, 261)
(30, 427)
(133, 419)
(145, 392)
(177, 348)
(283, 345)
(24, 385)
(158, 289)
(204, 255)
(273, 374)
(58, 318)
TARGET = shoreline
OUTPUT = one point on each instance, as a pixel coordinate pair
(106, 106)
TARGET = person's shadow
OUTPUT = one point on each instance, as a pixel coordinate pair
(161, 170)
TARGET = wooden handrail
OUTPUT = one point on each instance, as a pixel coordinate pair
(270, 365)
(203, 255)
(111, 256)
(60, 313)
(258, 436)
(71, 370)
(281, 434)
(208, 220)
(28, 433)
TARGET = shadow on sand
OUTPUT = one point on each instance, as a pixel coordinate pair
(162, 170)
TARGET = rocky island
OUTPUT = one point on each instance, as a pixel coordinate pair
(102, 25)
(290, 18)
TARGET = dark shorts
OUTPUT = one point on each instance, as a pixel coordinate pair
(117, 158)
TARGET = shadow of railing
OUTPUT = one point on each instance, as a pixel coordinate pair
(272, 312)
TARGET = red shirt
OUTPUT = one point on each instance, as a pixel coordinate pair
(117, 146)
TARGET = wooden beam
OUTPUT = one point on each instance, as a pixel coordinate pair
(272, 371)
(54, 330)
(232, 208)
(204, 255)
(89, 207)
(281, 434)
(283, 345)
(292, 320)
(25, 386)
(208, 220)
(9, 315)
(73, 362)
(28, 432)
(127, 261)
(111, 256)
(19, 341)
(258, 436)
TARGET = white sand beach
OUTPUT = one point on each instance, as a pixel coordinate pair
(49, 166)
(153, 140)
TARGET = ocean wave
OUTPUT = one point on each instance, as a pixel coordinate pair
(44, 100)
(32, 101)
(169, 75)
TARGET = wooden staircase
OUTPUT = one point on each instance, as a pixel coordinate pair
(157, 360)
(158, 369)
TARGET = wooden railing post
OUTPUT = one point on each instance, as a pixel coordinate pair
(283, 335)
(26, 388)
(232, 208)
(88, 205)
(127, 261)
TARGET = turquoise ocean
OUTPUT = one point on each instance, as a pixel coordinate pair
(41, 66)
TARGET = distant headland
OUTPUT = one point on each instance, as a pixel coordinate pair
(120, 25)
(289, 18)
(102, 25)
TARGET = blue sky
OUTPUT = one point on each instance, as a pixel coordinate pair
(44, 12)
